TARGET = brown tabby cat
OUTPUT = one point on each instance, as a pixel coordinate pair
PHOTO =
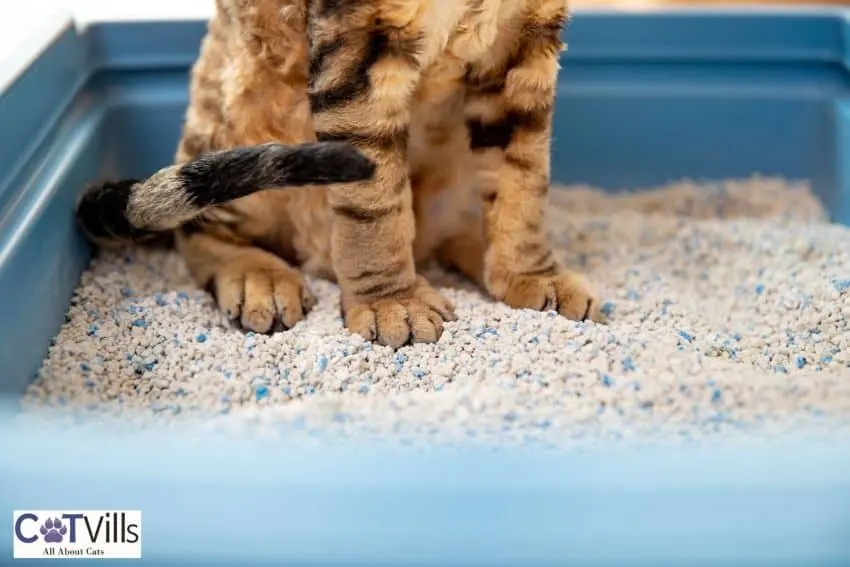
(451, 100)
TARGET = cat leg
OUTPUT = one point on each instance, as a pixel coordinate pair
(365, 66)
(249, 86)
(448, 209)
(253, 287)
(509, 115)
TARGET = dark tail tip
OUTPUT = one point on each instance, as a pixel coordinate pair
(101, 213)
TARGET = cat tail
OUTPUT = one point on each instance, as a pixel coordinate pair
(140, 210)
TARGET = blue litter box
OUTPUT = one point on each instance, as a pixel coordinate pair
(644, 98)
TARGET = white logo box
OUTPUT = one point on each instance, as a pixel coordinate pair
(83, 534)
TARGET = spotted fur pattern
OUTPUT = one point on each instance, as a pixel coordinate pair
(452, 102)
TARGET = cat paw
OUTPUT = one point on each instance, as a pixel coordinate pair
(416, 317)
(568, 294)
(262, 296)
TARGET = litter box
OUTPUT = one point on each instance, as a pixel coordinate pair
(645, 97)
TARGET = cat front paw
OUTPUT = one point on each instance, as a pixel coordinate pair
(568, 293)
(416, 316)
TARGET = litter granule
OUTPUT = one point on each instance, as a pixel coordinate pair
(727, 311)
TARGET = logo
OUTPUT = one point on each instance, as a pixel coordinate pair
(87, 534)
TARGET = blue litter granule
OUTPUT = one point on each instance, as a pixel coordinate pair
(310, 390)
(841, 285)
(286, 390)
(607, 381)
(92, 330)
(492, 331)
(438, 388)
(534, 341)
(632, 295)
(159, 300)
(608, 308)
(759, 289)
(323, 363)
(202, 338)
(400, 359)
(686, 335)
(183, 295)
(150, 366)
(140, 323)
(364, 389)
(126, 292)
(779, 369)
(826, 359)
(261, 393)
(716, 396)
(418, 373)
(800, 361)
(628, 364)
(85, 367)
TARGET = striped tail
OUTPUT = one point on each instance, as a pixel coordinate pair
(140, 210)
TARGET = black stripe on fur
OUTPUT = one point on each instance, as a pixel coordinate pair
(221, 177)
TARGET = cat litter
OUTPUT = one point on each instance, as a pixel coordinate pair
(726, 305)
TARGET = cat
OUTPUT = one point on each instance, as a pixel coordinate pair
(451, 101)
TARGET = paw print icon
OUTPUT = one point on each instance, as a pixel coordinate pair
(53, 530)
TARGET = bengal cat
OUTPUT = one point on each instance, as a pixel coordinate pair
(451, 103)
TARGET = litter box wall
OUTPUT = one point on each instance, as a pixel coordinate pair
(643, 99)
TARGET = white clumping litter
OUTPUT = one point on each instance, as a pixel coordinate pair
(727, 305)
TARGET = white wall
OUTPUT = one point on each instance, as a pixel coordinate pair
(27, 25)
